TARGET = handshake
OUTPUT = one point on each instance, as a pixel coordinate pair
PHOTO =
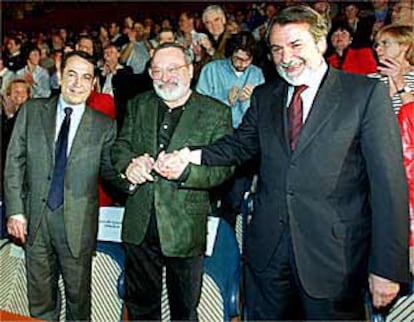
(168, 165)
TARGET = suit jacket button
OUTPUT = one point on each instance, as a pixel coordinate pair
(49, 178)
(43, 200)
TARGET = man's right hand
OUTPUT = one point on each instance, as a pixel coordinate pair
(17, 227)
(139, 170)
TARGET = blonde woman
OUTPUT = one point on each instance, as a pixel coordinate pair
(394, 45)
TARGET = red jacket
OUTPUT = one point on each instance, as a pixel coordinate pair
(406, 121)
(359, 61)
(105, 104)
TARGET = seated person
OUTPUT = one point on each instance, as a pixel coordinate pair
(354, 60)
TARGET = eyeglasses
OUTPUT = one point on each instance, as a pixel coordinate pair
(384, 44)
(157, 73)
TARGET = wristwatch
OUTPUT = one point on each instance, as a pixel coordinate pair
(403, 90)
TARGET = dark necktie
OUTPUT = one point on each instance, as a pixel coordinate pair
(295, 115)
(55, 197)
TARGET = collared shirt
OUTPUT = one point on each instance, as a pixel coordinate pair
(308, 95)
(41, 87)
(168, 119)
(218, 77)
(75, 119)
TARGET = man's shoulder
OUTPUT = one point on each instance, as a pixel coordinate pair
(355, 81)
(209, 105)
(204, 100)
(143, 97)
(217, 64)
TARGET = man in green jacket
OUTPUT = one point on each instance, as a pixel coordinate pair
(165, 220)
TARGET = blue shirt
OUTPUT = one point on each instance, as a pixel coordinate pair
(218, 77)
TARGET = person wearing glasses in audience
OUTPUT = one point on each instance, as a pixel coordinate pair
(394, 46)
(165, 220)
(232, 81)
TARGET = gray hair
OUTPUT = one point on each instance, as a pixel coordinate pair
(187, 54)
(216, 9)
(318, 25)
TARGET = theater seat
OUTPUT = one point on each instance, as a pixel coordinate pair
(107, 267)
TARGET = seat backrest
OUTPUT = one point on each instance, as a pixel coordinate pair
(107, 266)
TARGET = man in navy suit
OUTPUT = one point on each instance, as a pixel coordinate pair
(331, 209)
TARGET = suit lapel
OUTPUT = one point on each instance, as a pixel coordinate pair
(326, 102)
(49, 125)
(83, 134)
(278, 117)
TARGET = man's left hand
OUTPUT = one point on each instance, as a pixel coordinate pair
(383, 291)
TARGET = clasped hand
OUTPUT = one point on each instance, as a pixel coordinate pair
(168, 165)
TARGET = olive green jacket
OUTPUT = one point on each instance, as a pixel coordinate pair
(181, 208)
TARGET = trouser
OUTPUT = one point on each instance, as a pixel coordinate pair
(277, 294)
(47, 258)
(143, 280)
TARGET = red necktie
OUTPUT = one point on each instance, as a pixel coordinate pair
(295, 115)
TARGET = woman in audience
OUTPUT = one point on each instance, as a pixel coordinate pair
(354, 60)
(394, 45)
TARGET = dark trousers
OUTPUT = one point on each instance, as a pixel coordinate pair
(276, 293)
(47, 258)
(143, 280)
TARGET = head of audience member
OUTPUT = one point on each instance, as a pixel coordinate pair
(186, 22)
(351, 11)
(297, 41)
(395, 42)
(166, 24)
(171, 70)
(139, 30)
(13, 45)
(240, 48)
(17, 92)
(165, 35)
(33, 57)
(111, 56)
(78, 72)
(321, 7)
(63, 34)
(232, 27)
(57, 42)
(85, 43)
(270, 10)
(403, 13)
(113, 29)
(214, 20)
(341, 36)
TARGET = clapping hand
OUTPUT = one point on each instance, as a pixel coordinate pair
(245, 93)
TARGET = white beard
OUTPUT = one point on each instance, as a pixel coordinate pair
(301, 79)
(171, 95)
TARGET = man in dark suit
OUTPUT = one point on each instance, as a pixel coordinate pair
(52, 196)
(331, 211)
(165, 221)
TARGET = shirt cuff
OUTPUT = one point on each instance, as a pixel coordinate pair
(19, 217)
(192, 156)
